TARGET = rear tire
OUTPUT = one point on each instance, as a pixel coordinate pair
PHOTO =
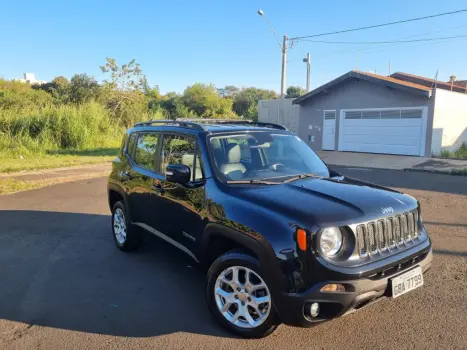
(238, 296)
(127, 237)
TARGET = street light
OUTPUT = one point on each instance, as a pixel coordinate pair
(284, 53)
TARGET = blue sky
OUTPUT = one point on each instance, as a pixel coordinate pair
(179, 43)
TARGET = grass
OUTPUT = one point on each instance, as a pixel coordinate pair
(8, 165)
(57, 136)
(459, 172)
(460, 153)
(10, 185)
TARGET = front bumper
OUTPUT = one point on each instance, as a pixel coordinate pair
(359, 293)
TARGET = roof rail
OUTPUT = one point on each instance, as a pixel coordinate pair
(234, 122)
(185, 124)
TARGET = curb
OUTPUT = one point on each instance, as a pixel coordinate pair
(415, 170)
(362, 167)
(438, 172)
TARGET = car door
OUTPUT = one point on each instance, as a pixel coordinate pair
(183, 205)
(143, 180)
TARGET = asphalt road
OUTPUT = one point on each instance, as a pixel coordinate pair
(63, 283)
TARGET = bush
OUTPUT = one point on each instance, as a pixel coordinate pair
(446, 154)
(15, 95)
(462, 151)
(32, 131)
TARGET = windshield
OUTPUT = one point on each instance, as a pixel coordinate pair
(264, 156)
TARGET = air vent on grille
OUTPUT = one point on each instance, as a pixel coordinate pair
(361, 240)
(386, 233)
(390, 231)
(381, 235)
(397, 230)
(371, 237)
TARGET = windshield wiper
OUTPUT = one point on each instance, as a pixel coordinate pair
(253, 182)
(302, 176)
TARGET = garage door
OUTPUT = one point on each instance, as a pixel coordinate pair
(392, 131)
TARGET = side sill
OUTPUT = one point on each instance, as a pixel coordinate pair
(167, 239)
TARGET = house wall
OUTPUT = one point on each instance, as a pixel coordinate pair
(269, 112)
(450, 121)
(356, 94)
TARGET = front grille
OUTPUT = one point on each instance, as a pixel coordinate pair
(391, 232)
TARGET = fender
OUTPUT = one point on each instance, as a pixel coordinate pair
(262, 249)
(117, 188)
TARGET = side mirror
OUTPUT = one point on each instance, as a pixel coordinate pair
(333, 173)
(178, 173)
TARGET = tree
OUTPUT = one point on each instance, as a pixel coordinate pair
(60, 81)
(228, 91)
(204, 101)
(60, 89)
(294, 91)
(128, 76)
(246, 101)
(82, 88)
(124, 91)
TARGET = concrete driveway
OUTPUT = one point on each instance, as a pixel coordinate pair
(63, 283)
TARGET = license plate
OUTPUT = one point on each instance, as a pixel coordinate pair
(406, 282)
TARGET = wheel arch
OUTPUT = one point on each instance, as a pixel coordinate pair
(115, 193)
(260, 249)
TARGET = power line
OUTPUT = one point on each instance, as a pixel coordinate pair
(370, 47)
(384, 42)
(379, 25)
(376, 49)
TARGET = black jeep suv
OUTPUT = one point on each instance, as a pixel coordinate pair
(283, 237)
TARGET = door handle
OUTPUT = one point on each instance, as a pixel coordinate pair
(126, 174)
(158, 189)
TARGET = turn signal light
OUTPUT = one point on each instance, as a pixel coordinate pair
(301, 239)
(333, 288)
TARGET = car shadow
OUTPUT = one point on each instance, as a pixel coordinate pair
(63, 270)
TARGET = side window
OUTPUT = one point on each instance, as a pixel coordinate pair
(130, 147)
(146, 147)
(178, 149)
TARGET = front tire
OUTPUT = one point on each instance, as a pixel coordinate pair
(126, 236)
(239, 297)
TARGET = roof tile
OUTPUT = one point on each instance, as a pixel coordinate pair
(394, 80)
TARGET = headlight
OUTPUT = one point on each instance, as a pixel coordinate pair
(331, 241)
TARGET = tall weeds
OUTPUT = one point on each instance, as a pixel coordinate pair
(41, 130)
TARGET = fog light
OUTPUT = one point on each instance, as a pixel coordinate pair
(314, 309)
(333, 288)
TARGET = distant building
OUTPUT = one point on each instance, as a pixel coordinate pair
(364, 112)
(30, 78)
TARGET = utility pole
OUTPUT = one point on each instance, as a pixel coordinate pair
(284, 66)
(284, 63)
(308, 71)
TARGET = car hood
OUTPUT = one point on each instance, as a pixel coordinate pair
(327, 202)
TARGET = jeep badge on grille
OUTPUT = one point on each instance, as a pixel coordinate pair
(387, 210)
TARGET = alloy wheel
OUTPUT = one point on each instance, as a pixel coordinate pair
(119, 226)
(242, 297)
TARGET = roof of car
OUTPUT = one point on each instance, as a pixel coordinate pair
(209, 125)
